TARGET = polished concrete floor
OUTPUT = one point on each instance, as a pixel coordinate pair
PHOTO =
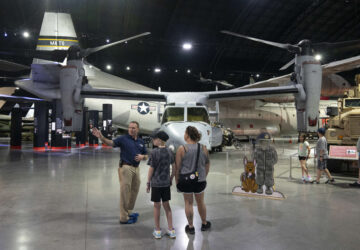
(69, 200)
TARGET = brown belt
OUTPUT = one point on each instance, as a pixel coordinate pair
(130, 165)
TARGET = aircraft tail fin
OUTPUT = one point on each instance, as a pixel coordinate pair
(57, 33)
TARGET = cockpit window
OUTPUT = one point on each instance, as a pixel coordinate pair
(197, 115)
(352, 102)
(172, 114)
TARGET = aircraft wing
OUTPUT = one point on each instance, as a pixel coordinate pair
(272, 82)
(123, 94)
(254, 93)
(234, 94)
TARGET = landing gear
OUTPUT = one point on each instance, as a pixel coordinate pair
(216, 149)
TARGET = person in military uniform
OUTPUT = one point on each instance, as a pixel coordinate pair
(266, 157)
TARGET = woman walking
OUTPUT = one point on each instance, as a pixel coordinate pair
(192, 168)
(304, 153)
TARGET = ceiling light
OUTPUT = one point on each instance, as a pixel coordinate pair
(176, 70)
(188, 71)
(128, 68)
(26, 34)
(187, 46)
(108, 67)
(5, 34)
(157, 70)
(107, 40)
(318, 57)
(257, 75)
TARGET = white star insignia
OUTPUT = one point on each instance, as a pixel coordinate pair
(143, 108)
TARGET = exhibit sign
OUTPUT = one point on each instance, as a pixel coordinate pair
(343, 152)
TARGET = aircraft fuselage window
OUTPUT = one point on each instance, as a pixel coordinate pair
(352, 103)
(197, 115)
(173, 114)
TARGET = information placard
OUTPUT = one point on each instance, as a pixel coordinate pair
(343, 152)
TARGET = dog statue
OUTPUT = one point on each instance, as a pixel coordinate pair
(248, 177)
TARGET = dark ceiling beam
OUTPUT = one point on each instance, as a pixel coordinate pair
(234, 27)
(291, 29)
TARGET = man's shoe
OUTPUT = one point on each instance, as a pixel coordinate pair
(157, 234)
(129, 221)
(206, 227)
(189, 230)
(133, 215)
(355, 184)
(171, 233)
(259, 190)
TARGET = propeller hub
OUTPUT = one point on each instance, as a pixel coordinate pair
(306, 48)
(74, 53)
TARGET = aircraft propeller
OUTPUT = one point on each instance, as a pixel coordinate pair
(74, 51)
(304, 47)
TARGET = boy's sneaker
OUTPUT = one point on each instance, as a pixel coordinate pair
(309, 179)
(330, 181)
(303, 179)
(157, 234)
(206, 227)
(171, 233)
(189, 230)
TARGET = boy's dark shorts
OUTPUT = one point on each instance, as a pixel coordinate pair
(196, 188)
(301, 158)
(322, 165)
(160, 194)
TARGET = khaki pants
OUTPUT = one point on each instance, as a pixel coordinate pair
(129, 178)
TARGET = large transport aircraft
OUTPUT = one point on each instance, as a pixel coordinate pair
(137, 102)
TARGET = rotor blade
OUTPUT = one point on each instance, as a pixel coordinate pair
(289, 47)
(224, 83)
(288, 64)
(347, 45)
(12, 67)
(89, 51)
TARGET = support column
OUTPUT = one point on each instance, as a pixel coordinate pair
(57, 140)
(41, 127)
(93, 122)
(107, 122)
(16, 128)
(82, 136)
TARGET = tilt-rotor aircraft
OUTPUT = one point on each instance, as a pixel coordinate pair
(65, 82)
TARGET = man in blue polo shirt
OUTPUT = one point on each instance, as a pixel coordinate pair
(133, 150)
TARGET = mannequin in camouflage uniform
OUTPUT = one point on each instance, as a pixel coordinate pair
(266, 157)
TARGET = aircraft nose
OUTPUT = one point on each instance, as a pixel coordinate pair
(176, 131)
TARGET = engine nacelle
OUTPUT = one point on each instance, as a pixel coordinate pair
(309, 75)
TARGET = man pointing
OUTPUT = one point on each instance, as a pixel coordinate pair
(132, 151)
